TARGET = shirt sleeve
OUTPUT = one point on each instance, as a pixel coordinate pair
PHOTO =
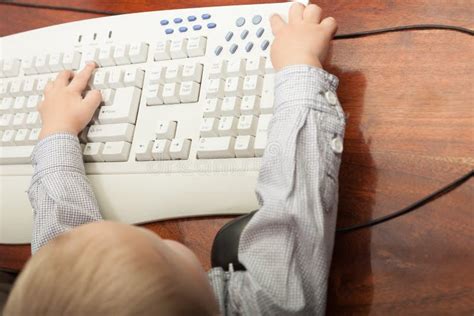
(287, 246)
(60, 193)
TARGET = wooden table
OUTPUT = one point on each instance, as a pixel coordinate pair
(410, 131)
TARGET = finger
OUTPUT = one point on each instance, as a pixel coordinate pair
(296, 13)
(312, 14)
(276, 23)
(330, 25)
(48, 87)
(92, 99)
(62, 79)
(79, 83)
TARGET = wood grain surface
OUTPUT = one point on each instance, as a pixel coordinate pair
(410, 131)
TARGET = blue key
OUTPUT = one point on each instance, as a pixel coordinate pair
(177, 20)
(183, 29)
(191, 18)
(249, 47)
(164, 22)
(257, 19)
(228, 36)
(233, 48)
(206, 16)
(244, 34)
(218, 50)
(169, 31)
(260, 32)
(211, 25)
(240, 21)
(265, 44)
(197, 27)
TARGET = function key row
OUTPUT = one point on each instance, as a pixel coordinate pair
(9, 67)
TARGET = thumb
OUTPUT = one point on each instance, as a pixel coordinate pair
(276, 23)
(330, 25)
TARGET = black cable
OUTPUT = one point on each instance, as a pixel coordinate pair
(429, 198)
(401, 28)
(58, 8)
(404, 28)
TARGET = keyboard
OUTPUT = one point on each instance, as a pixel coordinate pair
(187, 100)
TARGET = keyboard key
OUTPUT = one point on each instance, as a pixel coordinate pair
(6, 104)
(161, 149)
(230, 106)
(33, 119)
(260, 143)
(260, 32)
(56, 62)
(266, 104)
(124, 108)
(32, 102)
(192, 18)
(16, 87)
(19, 120)
(8, 137)
(179, 148)
(215, 88)
(93, 152)
(196, 46)
(29, 86)
(233, 48)
(256, 19)
(15, 155)
(227, 126)
(164, 22)
(120, 55)
(229, 36)
(173, 73)
(154, 94)
(134, 77)
(143, 151)
(106, 56)
(189, 91)
(212, 107)
(28, 64)
(111, 132)
(6, 121)
(21, 136)
(236, 67)
(264, 45)
(218, 69)
(218, 50)
(233, 86)
(116, 78)
(178, 48)
(244, 146)
(255, 66)
(250, 105)
(244, 34)
(162, 51)
(183, 29)
(264, 122)
(99, 80)
(177, 20)
(4, 88)
(240, 22)
(11, 67)
(192, 72)
(72, 60)
(169, 31)
(206, 16)
(88, 55)
(116, 151)
(252, 85)
(209, 127)
(138, 52)
(171, 93)
(165, 129)
(20, 104)
(248, 47)
(211, 25)
(156, 74)
(216, 147)
(197, 27)
(247, 125)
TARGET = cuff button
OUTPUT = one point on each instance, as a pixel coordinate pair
(337, 145)
(331, 97)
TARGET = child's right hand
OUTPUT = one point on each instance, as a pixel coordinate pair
(304, 39)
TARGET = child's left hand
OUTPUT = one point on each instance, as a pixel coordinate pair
(63, 109)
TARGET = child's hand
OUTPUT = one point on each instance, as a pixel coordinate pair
(304, 39)
(63, 108)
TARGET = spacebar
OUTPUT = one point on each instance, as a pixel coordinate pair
(15, 155)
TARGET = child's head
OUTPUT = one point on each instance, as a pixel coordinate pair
(108, 268)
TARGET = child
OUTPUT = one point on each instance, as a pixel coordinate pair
(83, 265)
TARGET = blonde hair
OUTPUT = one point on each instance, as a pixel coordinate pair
(77, 274)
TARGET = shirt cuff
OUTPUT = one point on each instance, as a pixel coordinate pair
(55, 152)
(308, 86)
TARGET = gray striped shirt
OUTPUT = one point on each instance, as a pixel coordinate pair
(287, 246)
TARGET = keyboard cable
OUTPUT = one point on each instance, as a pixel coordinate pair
(414, 27)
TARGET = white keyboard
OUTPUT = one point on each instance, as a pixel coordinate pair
(187, 99)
